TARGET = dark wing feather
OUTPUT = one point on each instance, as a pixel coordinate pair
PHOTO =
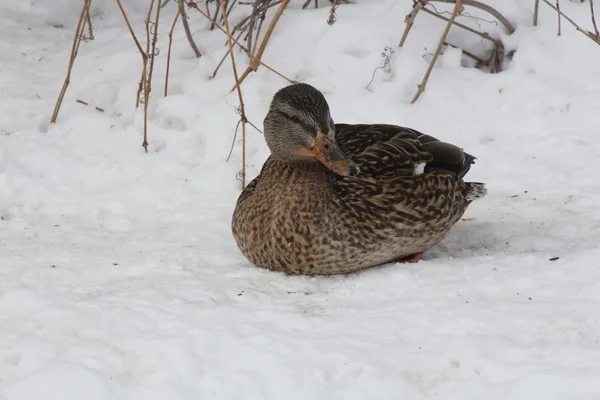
(390, 151)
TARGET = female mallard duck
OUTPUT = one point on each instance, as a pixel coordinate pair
(336, 198)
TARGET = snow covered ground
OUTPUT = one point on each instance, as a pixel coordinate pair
(119, 277)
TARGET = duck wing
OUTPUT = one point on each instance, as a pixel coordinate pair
(390, 151)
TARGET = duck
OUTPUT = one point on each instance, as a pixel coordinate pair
(336, 198)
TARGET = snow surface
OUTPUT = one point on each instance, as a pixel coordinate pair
(120, 279)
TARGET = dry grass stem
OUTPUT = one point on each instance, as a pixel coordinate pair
(186, 28)
(241, 46)
(536, 11)
(332, 18)
(558, 14)
(410, 19)
(484, 35)
(74, 50)
(151, 28)
(263, 45)
(169, 51)
(458, 7)
(223, 59)
(484, 7)
(85, 103)
(137, 43)
(594, 18)
(239, 91)
(142, 53)
(90, 27)
(580, 29)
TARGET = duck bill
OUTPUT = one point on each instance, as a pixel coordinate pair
(334, 159)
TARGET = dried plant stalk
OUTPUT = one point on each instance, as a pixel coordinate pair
(580, 29)
(484, 7)
(484, 35)
(169, 51)
(457, 9)
(74, 50)
(142, 53)
(147, 77)
(85, 103)
(536, 11)
(186, 28)
(558, 15)
(410, 20)
(239, 90)
(594, 18)
(263, 45)
(193, 5)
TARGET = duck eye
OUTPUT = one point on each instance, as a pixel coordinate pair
(327, 146)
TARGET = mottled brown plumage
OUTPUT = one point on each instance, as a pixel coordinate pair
(301, 217)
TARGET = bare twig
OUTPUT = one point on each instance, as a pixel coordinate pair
(186, 27)
(260, 24)
(193, 5)
(239, 91)
(558, 14)
(223, 59)
(458, 7)
(484, 35)
(85, 103)
(580, 29)
(263, 45)
(536, 11)
(332, 18)
(74, 50)
(465, 52)
(233, 140)
(594, 18)
(252, 22)
(142, 53)
(90, 28)
(169, 51)
(137, 43)
(410, 19)
(484, 7)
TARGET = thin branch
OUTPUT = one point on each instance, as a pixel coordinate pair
(85, 103)
(484, 35)
(186, 27)
(212, 26)
(458, 7)
(239, 91)
(193, 5)
(580, 29)
(410, 19)
(490, 10)
(74, 50)
(332, 18)
(263, 45)
(558, 14)
(223, 60)
(169, 51)
(137, 43)
(260, 24)
(142, 53)
(144, 78)
(536, 11)
(233, 140)
(594, 18)
(90, 28)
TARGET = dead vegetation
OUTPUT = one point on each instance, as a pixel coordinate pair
(247, 34)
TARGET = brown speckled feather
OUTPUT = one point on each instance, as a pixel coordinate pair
(301, 218)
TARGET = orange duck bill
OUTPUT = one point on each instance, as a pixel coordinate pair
(329, 153)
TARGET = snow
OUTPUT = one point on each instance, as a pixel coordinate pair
(120, 278)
